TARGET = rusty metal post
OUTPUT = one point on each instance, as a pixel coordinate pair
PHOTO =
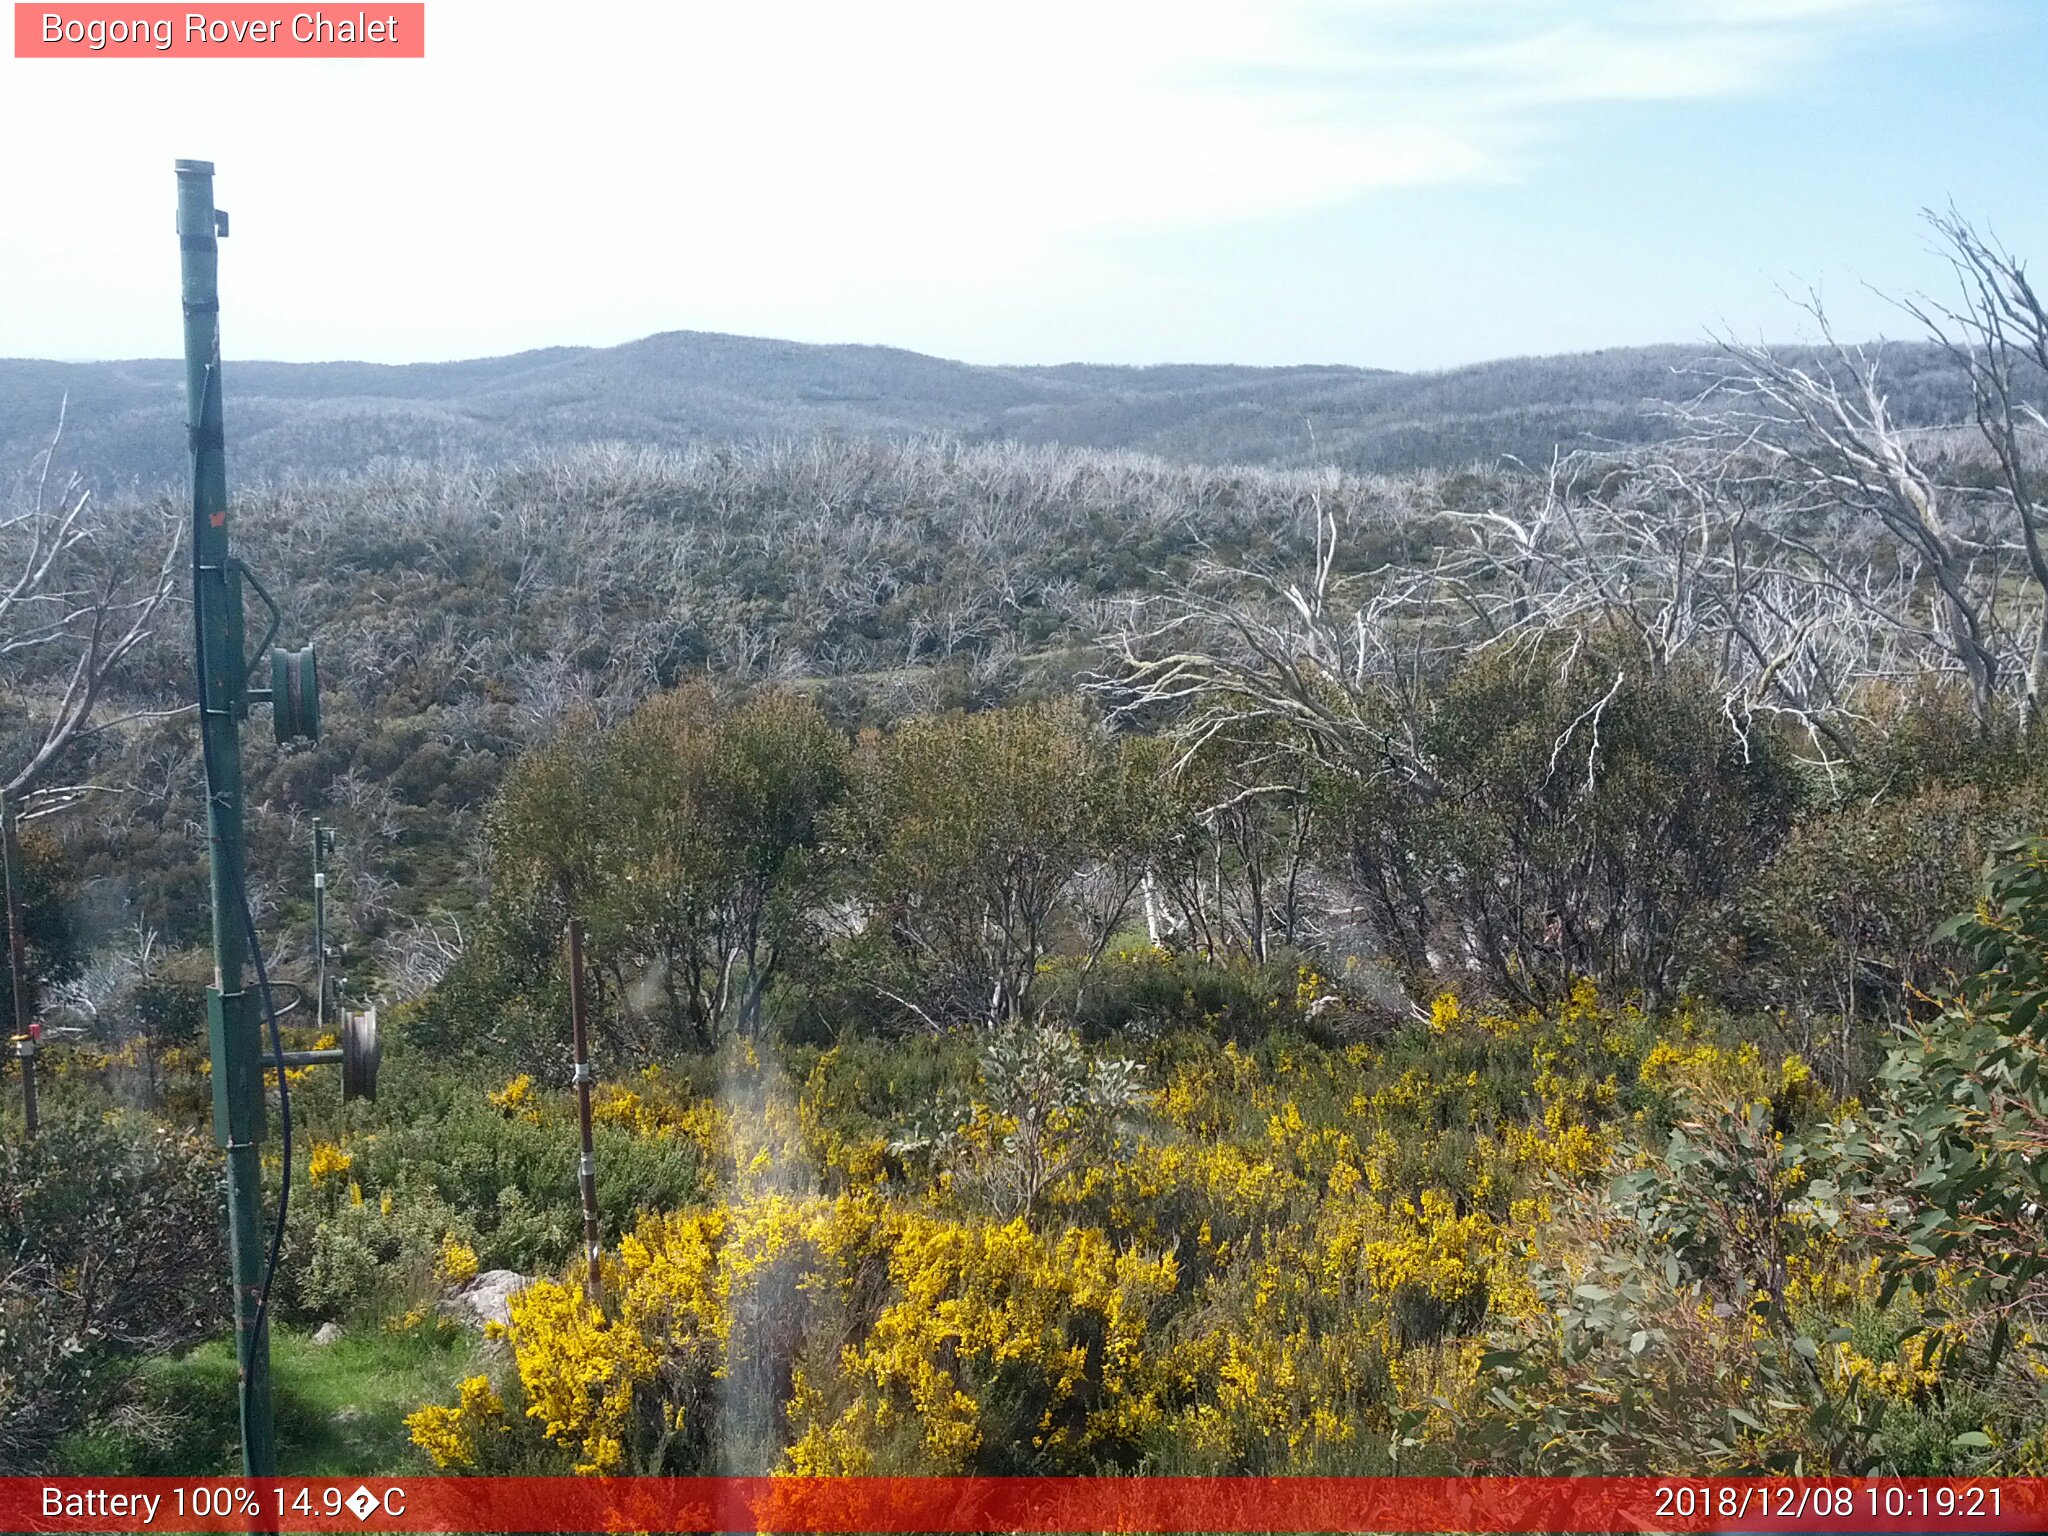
(579, 1025)
(25, 1031)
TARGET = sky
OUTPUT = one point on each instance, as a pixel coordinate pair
(1409, 184)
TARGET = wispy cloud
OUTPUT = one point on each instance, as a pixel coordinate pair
(633, 165)
(1480, 78)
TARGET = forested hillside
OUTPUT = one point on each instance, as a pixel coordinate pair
(462, 617)
(690, 387)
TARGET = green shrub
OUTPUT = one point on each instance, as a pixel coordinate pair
(1769, 1290)
(368, 1256)
(112, 1228)
(968, 838)
(1839, 925)
(53, 949)
(1581, 815)
(688, 840)
(1153, 993)
(1957, 1149)
(1040, 1110)
(508, 1181)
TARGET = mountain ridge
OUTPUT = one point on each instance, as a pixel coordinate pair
(124, 417)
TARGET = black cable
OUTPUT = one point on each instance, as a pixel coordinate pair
(284, 1115)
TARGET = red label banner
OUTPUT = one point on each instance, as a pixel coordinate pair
(224, 31)
(956, 1506)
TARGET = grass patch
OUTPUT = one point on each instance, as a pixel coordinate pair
(340, 1408)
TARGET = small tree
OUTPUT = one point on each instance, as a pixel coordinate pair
(717, 828)
(970, 837)
(52, 946)
(1229, 857)
(1579, 815)
(1042, 1110)
(688, 841)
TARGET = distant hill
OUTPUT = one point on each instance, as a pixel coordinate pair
(126, 418)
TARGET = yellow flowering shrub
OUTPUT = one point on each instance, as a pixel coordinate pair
(327, 1161)
(451, 1435)
(516, 1097)
(1282, 1257)
(457, 1262)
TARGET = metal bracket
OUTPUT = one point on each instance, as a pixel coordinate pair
(269, 635)
(233, 1033)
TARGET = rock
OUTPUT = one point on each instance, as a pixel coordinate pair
(1338, 1019)
(487, 1298)
(326, 1334)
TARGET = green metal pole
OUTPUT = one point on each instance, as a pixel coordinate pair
(236, 1039)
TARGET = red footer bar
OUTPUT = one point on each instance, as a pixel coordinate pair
(947, 1505)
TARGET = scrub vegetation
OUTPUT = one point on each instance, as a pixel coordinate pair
(1099, 963)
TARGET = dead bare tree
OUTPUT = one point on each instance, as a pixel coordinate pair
(1828, 430)
(1997, 334)
(1689, 555)
(1305, 665)
(413, 962)
(85, 592)
(1690, 560)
